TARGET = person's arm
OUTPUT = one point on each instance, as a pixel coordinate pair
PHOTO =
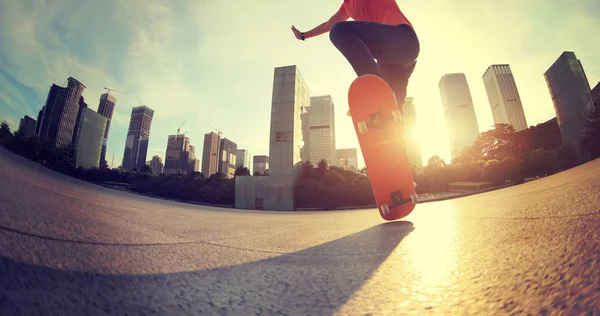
(324, 27)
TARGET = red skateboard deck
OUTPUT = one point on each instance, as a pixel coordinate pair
(380, 130)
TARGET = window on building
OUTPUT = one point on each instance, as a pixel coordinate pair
(281, 137)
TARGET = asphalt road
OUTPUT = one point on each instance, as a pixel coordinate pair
(71, 248)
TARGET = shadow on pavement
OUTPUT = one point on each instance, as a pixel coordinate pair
(316, 280)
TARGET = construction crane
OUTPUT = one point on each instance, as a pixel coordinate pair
(108, 90)
(216, 129)
(179, 128)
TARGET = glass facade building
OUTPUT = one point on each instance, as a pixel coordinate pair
(503, 96)
(571, 96)
(459, 112)
(89, 136)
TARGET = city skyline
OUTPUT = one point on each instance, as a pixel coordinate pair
(176, 87)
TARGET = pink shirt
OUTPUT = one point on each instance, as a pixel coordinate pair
(378, 11)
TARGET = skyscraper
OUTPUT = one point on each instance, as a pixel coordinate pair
(243, 158)
(260, 164)
(459, 112)
(321, 119)
(139, 130)
(88, 138)
(157, 165)
(410, 123)
(571, 96)
(59, 114)
(347, 158)
(106, 108)
(276, 191)
(210, 154)
(180, 157)
(227, 158)
(27, 125)
(503, 96)
(596, 94)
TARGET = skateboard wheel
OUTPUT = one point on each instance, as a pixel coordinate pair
(348, 113)
(397, 115)
(362, 127)
(414, 198)
(385, 209)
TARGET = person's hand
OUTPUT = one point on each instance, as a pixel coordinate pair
(297, 33)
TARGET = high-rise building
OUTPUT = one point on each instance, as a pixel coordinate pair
(138, 132)
(27, 125)
(157, 165)
(459, 112)
(503, 96)
(180, 156)
(321, 119)
(410, 123)
(260, 164)
(82, 107)
(276, 191)
(571, 96)
(210, 154)
(347, 158)
(243, 158)
(227, 158)
(596, 94)
(106, 108)
(59, 115)
(88, 138)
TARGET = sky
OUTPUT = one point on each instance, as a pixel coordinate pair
(212, 61)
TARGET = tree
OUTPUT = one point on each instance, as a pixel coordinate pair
(436, 161)
(147, 169)
(241, 171)
(322, 168)
(590, 136)
(566, 157)
(4, 130)
(308, 171)
(496, 143)
(492, 171)
(542, 162)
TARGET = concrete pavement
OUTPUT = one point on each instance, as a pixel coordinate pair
(72, 248)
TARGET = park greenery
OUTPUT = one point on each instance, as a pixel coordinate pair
(499, 156)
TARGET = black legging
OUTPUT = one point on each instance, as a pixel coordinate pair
(394, 47)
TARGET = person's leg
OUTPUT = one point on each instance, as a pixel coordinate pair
(397, 77)
(364, 42)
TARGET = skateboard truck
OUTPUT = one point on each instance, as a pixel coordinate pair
(398, 200)
(378, 120)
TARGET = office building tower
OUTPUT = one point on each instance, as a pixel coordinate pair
(260, 164)
(157, 165)
(459, 112)
(243, 158)
(571, 97)
(88, 138)
(210, 154)
(27, 126)
(59, 114)
(276, 191)
(347, 158)
(180, 156)
(596, 94)
(106, 108)
(410, 124)
(138, 133)
(227, 158)
(321, 119)
(503, 96)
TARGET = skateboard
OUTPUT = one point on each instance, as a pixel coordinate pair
(380, 130)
